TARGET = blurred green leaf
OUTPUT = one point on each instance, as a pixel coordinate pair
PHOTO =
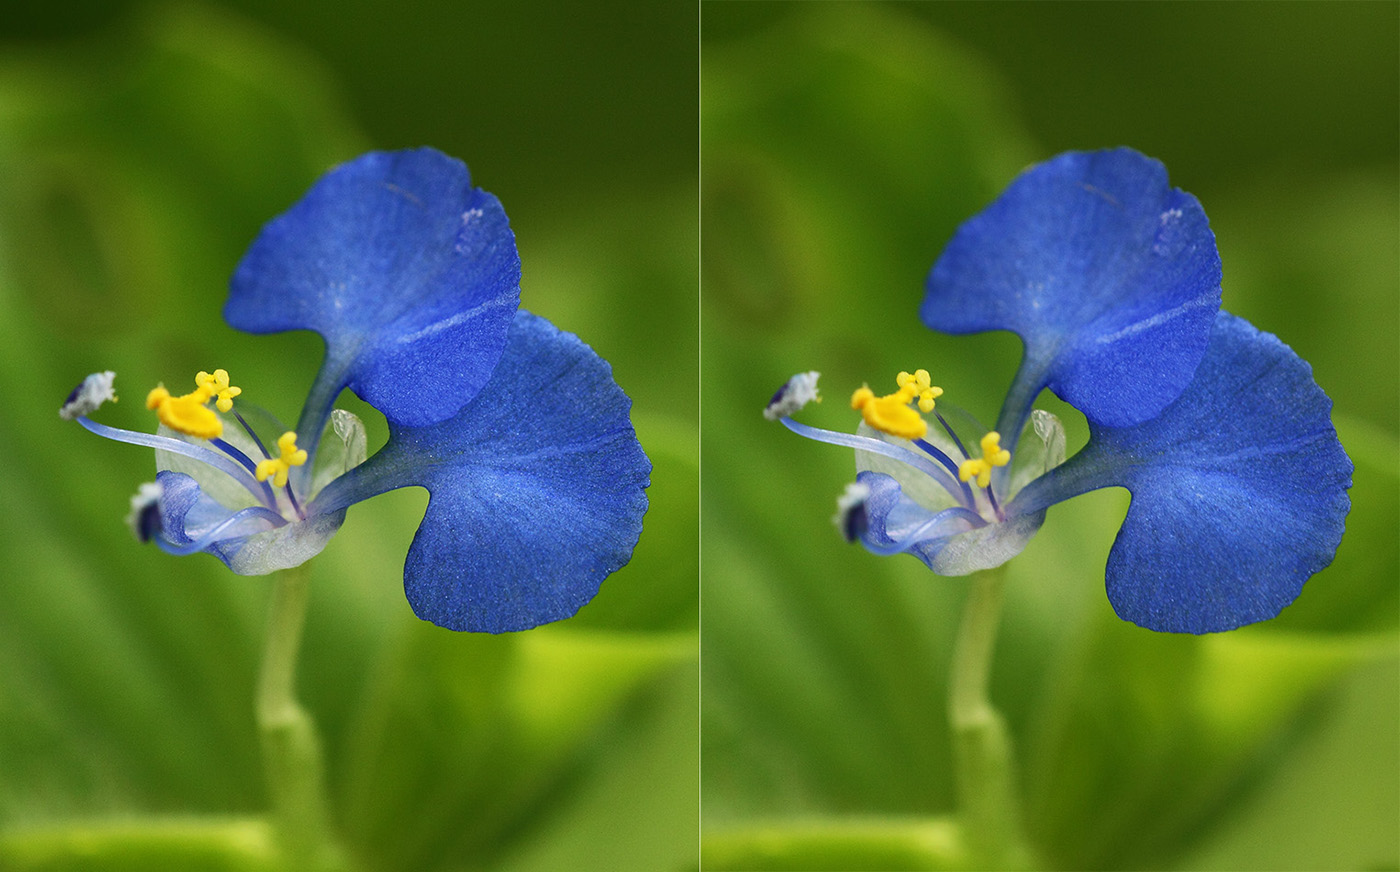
(843, 845)
(634, 802)
(501, 716)
(1148, 739)
(160, 845)
(1296, 817)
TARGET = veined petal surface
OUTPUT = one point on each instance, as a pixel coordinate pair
(537, 488)
(1110, 277)
(409, 273)
(1239, 490)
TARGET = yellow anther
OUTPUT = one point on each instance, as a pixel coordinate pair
(185, 414)
(890, 414)
(190, 413)
(217, 385)
(992, 450)
(278, 467)
(922, 387)
(992, 455)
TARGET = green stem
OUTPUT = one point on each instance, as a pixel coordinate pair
(291, 747)
(982, 754)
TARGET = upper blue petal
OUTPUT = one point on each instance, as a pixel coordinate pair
(1110, 277)
(409, 273)
(537, 488)
(1239, 490)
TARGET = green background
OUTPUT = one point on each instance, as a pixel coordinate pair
(842, 144)
(141, 148)
(142, 145)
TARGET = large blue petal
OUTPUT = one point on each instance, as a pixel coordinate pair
(1239, 490)
(409, 273)
(1109, 276)
(537, 489)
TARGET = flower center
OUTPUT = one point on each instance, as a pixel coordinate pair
(190, 414)
(895, 414)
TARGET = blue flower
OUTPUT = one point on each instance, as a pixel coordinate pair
(516, 428)
(1111, 279)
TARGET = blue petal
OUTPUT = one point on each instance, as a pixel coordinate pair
(1109, 276)
(1239, 490)
(953, 541)
(408, 272)
(251, 541)
(537, 489)
(193, 521)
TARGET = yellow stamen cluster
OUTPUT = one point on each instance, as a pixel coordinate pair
(277, 468)
(891, 413)
(923, 389)
(190, 413)
(992, 455)
(217, 385)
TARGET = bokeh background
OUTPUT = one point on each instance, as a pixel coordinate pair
(842, 144)
(142, 145)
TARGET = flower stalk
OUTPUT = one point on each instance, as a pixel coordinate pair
(984, 770)
(291, 746)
